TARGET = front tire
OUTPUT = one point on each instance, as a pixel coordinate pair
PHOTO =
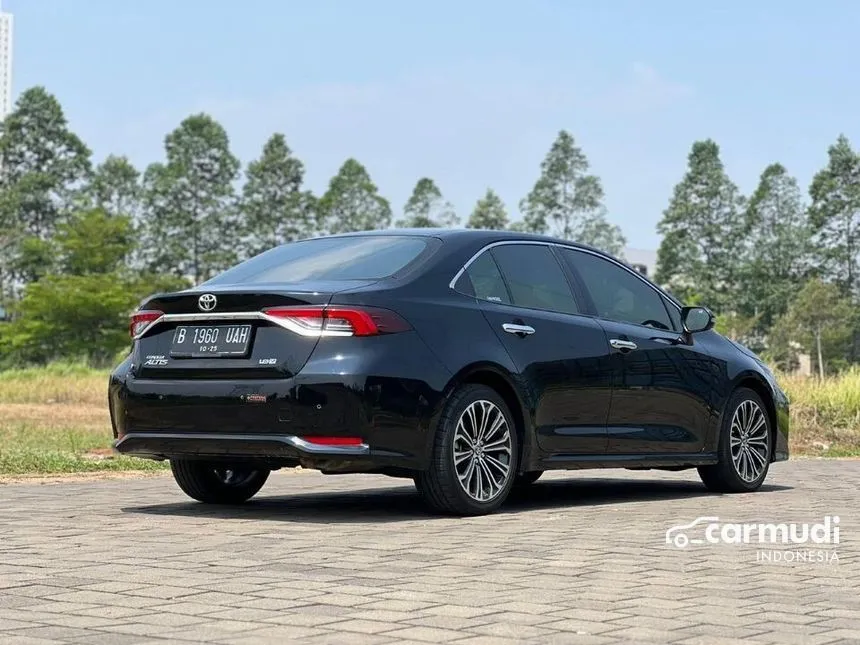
(216, 483)
(744, 450)
(474, 459)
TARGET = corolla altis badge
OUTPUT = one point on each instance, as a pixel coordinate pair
(207, 302)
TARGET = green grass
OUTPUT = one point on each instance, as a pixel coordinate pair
(50, 446)
(833, 401)
(825, 414)
(54, 420)
(42, 462)
(57, 383)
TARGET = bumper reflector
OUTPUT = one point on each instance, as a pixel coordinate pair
(334, 441)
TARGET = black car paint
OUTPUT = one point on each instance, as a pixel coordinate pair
(657, 392)
(578, 403)
(565, 369)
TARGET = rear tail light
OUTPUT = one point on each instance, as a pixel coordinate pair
(339, 321)
(140, 320)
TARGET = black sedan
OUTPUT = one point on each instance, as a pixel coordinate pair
(469, 361)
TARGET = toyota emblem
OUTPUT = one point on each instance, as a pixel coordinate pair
(207, 302)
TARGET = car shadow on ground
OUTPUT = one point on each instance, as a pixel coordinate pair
(402, 503)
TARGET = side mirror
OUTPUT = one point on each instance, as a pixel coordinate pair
(696, 319)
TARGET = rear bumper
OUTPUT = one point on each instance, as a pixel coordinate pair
(267, 449)
(165, 420)
(389, 404)
(159, 445)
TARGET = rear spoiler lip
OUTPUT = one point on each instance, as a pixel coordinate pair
(288, 289)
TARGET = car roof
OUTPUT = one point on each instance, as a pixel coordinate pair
(467, 234)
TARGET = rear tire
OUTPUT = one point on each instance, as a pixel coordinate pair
(474, 455)
(744, 450)
(216, 483)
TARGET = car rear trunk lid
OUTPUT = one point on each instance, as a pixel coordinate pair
(221, 332)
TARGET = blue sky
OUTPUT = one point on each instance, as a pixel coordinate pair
(470, 93)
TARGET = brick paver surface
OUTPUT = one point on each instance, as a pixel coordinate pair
(578, 558)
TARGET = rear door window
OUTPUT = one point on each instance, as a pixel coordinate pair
(483, 280)
(534, 277)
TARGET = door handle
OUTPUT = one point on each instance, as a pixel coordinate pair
(522, 330)
(623, 345)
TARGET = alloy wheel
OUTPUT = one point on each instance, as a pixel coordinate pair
(482, 450)
(234, 477)
(749, 441)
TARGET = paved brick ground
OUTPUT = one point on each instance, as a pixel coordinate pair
(579, 558)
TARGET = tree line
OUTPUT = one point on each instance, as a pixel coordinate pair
(781, 270)
(81, 244)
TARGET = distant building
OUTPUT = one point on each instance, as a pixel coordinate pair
(644, 261)
(5, 64)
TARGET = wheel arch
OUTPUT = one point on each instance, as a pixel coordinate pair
(499, 379)
(757, 384)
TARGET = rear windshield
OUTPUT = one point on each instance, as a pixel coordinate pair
(328, 258)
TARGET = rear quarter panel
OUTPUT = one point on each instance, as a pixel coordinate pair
(455, 331)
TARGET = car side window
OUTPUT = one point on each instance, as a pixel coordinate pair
(617, 293)
(535, 278)
(674, 314)
(483, 280)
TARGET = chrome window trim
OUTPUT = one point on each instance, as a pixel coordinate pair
(492, 245)
(285, 323)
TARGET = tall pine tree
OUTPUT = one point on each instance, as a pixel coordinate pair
(489, 213)
(703, 230)
(835, 217)
(426, 208)
(567, 201)
(44, 166)
(352, 202)
(191, 222)
(274, 207)
(115, 187)
(44, 163)
(778, 246)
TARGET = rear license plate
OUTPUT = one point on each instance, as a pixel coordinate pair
(221, 341)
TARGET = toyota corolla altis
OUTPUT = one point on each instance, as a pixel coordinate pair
(469, 361)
